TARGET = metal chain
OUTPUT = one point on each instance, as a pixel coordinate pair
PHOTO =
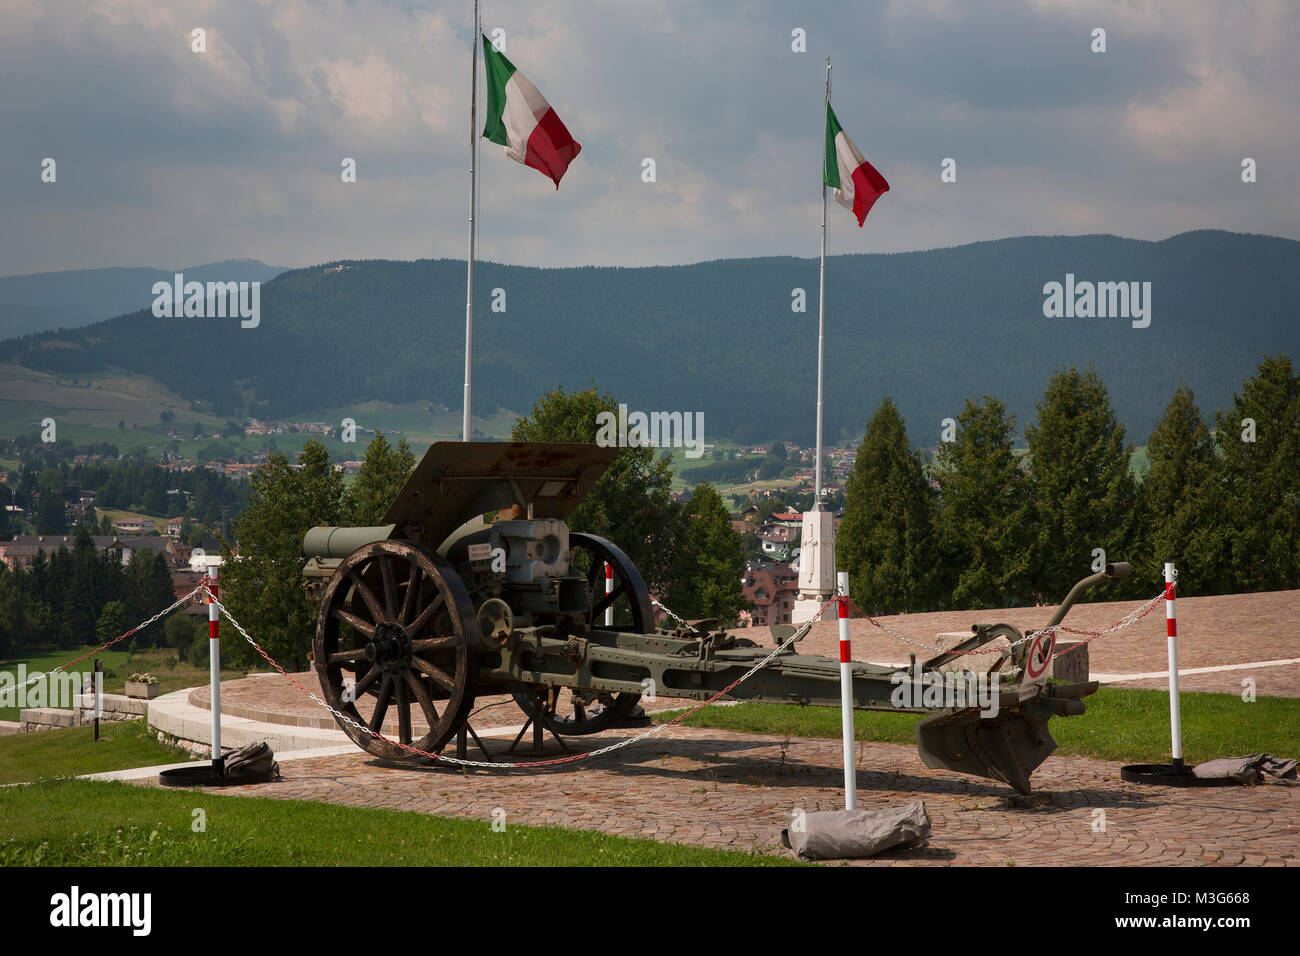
(1128, 619)
(676, 617)
(572, 758)
(1131, 618)
(202, 586)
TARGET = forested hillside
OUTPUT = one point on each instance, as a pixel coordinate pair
(930, 329)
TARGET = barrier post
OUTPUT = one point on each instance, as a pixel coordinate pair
(98, 689)
(214, 663)
(846, 694)
(1171, 630)
(609, 589)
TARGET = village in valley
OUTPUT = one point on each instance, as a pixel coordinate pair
(765, 511)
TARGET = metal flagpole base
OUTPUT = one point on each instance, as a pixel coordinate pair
(1170, 775)
(213, 775)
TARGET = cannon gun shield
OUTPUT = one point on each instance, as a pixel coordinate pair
(456, 482)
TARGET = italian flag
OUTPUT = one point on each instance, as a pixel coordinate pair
(520, 119)
(857, 184)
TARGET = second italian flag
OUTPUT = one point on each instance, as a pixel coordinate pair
(520, 119)
(857, 184)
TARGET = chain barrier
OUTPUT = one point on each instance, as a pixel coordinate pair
(201, 588)
(675, 616)
(1128, 619)
(526, 764)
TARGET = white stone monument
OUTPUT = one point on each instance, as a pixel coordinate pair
(816, 563)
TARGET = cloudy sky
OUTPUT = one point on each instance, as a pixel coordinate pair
(166, 157)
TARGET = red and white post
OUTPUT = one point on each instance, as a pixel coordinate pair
(846, 694)
(609, 589)
(214, 658)
(1171, 630)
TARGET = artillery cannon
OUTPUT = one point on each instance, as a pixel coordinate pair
(436, 607)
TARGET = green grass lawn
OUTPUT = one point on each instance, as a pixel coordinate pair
(165, 663)
(44, 661)
(84, 823)
(1128, 725)
(73, 750)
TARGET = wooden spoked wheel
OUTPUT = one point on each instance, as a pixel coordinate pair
(630, 597)
(394, 634)
(576, 713)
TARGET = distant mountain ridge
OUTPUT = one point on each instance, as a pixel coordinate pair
(928, 328)
(72, 299)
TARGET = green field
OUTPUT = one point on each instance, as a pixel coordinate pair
(74, 750)
(44, 661)
(165, 663)
(89, 407)
(1128, 725)
(83, 823)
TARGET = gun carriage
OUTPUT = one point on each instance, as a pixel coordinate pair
(437, 606)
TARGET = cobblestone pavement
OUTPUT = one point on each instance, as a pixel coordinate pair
(722, 789)
(727, 790)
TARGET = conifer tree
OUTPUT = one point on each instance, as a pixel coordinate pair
(984, 523)
(1079, 475)
(383, 472)
(886, 539)
(1181, 503)
(1259, 437)
(262, 585)
(710, 563)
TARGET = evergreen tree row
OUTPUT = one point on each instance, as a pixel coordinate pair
(981, 526)
(80, 595)
(132, 483)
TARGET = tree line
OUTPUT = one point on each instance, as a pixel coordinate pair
(46, 476)
(80, 595)
(981, 526)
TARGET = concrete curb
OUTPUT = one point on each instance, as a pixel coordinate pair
(191, 727)
(173, 715)
(144, 773)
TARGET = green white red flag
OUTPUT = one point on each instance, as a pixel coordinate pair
(857, 184)
(520, 119)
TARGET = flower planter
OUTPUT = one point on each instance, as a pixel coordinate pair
(141, 690)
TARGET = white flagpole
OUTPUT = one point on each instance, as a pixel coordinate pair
(473, 204)
(821, 304)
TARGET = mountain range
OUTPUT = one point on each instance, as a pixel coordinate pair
(723, 337)
(71, 299)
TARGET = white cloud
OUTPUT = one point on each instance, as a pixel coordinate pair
(166, 155)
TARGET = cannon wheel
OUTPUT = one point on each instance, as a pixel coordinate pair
(571, 716)
(397, 619)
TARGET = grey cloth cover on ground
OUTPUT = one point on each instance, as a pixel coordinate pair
(1247, 769)
(254, 760)
(852, 834)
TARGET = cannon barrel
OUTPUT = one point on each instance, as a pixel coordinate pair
(330, 542)
(1112, 572)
